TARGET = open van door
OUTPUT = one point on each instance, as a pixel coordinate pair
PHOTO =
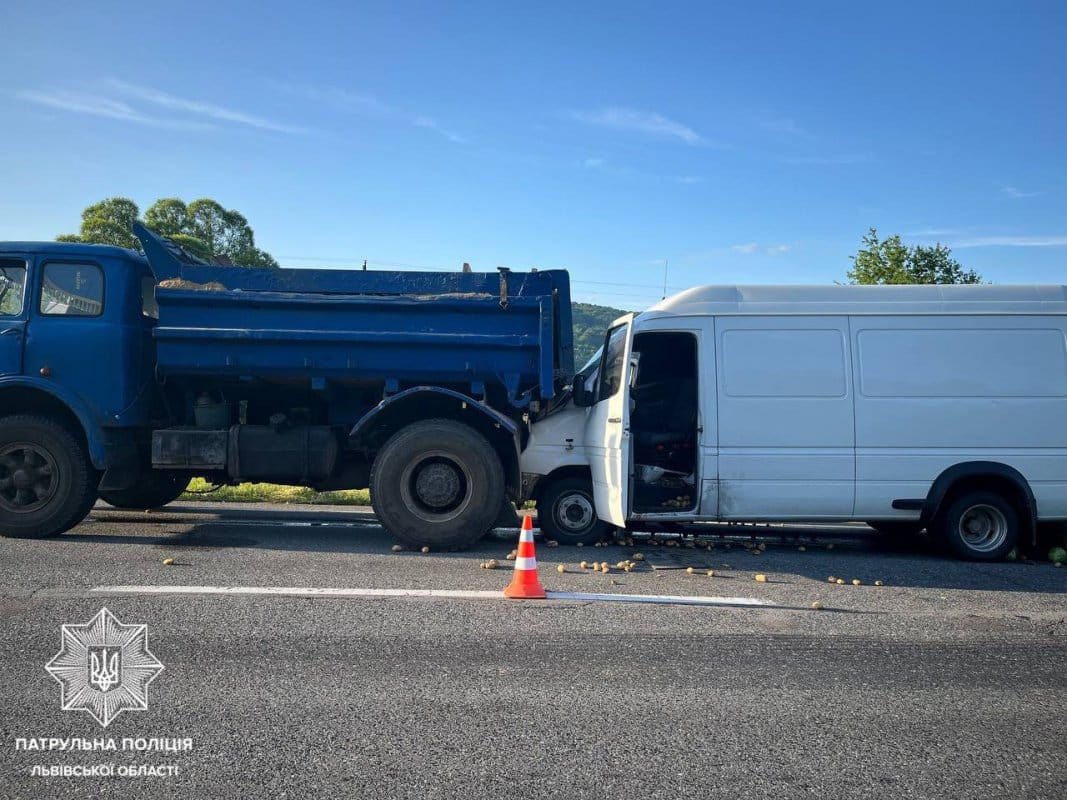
(607, 430)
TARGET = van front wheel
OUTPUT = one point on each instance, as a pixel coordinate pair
(566, 512)
(980, 526)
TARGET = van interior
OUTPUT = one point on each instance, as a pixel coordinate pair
(664, 422)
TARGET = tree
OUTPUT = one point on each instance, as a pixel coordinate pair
(203, 228)
(890, 261)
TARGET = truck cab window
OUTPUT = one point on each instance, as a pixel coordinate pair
(73, 290)
(12, 287)
(612, 368)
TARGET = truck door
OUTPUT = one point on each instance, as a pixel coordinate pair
(607, 431)
(12, 314)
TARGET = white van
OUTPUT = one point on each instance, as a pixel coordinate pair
(906, 407)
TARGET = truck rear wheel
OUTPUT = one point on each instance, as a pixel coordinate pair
(47, 483)
(437, 484)
(153, 489)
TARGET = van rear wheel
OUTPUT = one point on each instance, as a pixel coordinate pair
(47, 483)
(438, 484)
(980, 526)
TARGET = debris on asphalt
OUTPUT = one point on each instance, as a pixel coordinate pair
(425, 550)
(840, 581)
(802, 548)
(396, 548)
(817, 605)
(638, 557)
(761, 578)
(584, 565)
(832, 579)
(879, 583)
(711, 573)
(551, 543)
(855, 581)
(561, 568)
(168, 562)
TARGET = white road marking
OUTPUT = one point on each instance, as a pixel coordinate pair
(463, 594)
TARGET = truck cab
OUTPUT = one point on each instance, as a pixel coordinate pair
(76, 365)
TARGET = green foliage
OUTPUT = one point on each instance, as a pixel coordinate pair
(203, 228)
(890, 261)
(590, 323)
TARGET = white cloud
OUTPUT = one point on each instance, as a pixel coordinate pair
(650, 122)
(830, 160)
(1018, 194)
(593, 163)
(97, 106)
(1012, 241)
(340, 99)
(688, 179)
(750, 248)
(196, 107)
(431, 124)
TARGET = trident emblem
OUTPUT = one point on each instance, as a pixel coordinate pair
(105, 668)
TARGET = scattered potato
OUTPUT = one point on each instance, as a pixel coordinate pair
(425, 550)
(879, 583)
(711, 573)
(584, 565)
(762, 545)
(551, 543)
(168, 562)
(492, 564)
(579, 544)
(638, 556)
(856, 581)
(761, 578)
(840, 581)
(832, 579)
(561, 568)
(817, 605)
(802, 548)
(689, 570)
(397, 548)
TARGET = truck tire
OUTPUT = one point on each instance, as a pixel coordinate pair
(154, 489)
(47, 483)
(979, 526)
(437, 483)
(566, 512)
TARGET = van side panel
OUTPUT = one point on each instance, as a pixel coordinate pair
(933, 391)
(786, 435)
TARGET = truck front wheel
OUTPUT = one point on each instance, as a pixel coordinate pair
(47, 483)
(154, 489)
(437, 483)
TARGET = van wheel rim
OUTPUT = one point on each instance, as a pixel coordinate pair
(983, 528)
(574, 513)
(27, 478)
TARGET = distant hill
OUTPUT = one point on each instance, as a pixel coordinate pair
(590, 324)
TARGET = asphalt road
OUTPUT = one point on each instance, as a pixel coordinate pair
(948, 681)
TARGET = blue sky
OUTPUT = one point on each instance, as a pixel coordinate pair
(742, 142)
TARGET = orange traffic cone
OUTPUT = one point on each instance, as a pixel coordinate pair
(525, 585)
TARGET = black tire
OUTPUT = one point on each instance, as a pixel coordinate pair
(47, 483)
(566, 512)
(438, 484)
(154, 489)
(896, 528)
(979, 526)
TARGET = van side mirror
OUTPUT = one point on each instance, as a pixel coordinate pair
(581, 396)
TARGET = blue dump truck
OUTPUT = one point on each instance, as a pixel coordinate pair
(122, 376)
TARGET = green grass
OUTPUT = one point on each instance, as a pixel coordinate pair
(272, 493)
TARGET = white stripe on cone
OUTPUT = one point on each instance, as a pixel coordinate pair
(526, 536)
(526, 562)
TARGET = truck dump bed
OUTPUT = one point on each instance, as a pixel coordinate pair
(508, 328)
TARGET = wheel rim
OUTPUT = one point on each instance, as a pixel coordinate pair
(983, 528)
(436, 487)
(27, 477)
(574, 512)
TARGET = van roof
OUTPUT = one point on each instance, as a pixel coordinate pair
(935, 299)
